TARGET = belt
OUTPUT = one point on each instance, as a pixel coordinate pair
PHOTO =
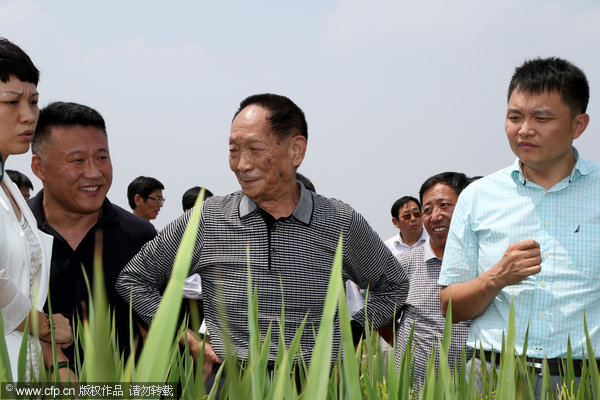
(556, 366)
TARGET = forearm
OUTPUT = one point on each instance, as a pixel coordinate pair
(65, 369)
(41, 320)
(47, 354)
(383, 305)
(150, 270)
(469, 299)
(144, 296)
(370, 264)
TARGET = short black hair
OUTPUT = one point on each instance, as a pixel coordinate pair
(455, 180)
(15, 62)
(142, 185)
(401, 202)
(63, 114)
(553, 74)
(286, 119)
(189, 197)
(19, 178)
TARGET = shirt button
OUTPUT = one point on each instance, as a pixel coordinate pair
(536, 348)
(545, 254)
(541, 315)
(547, 223)
(543, 283)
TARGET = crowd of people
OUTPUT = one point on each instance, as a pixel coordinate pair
(527, 234)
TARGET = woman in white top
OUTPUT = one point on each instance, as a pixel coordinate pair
(24, 250)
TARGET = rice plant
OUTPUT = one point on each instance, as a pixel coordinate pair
(355, 373)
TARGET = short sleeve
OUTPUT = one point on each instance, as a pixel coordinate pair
(461, 251)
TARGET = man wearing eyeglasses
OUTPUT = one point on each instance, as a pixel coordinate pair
(72, 159)
(406, 216)
(145, 197)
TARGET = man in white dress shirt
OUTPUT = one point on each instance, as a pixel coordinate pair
(406, 216)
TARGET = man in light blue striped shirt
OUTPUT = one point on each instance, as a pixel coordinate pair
(530, 233)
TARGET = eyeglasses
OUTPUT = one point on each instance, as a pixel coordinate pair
(407, 216)
(158, 199)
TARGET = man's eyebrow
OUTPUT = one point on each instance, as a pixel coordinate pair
(77, 152)
(20, 93)
(247, 140)
(543, 111)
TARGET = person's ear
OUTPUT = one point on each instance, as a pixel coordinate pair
(138, 200)
(395, 222)
(580, 122)
(298, 149)
(38, 167)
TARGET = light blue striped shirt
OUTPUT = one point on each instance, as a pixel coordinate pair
(504, 208)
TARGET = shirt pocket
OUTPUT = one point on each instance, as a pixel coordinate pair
(583, 249)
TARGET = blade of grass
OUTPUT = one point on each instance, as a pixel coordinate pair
(255, 378)
(153, 362)
(22, 363)
(5, 369)
(349, 368)
(97, 352)
(444, 377)
(318, 372)
(592, 364)
(506, 381)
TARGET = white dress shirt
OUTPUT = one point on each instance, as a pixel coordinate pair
(397, 245)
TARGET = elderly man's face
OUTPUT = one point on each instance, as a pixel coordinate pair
(263, 163)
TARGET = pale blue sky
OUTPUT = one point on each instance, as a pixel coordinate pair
(394, 91)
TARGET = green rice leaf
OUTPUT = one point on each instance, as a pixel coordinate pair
(318, 372)
(5, 370)
(22, 358)
(154, 360)
(591, 358)
(350, 368)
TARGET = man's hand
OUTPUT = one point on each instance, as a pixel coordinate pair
(63, 334)
(195, 344)
(520, 260)
(470, 299)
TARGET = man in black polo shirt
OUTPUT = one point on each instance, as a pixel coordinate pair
(71, 158)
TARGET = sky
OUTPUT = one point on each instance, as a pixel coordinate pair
(394, 91)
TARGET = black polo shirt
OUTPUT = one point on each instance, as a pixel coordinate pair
(123, 234)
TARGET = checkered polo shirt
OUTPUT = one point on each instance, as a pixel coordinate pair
(423, 309)
(293, 254)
